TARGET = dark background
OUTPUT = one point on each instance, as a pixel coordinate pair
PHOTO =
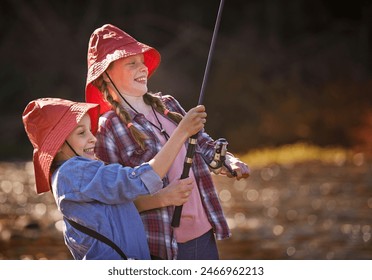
(283, 71)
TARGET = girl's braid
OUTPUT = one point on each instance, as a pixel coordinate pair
(137, 135)
(149, 99)
(159, 106)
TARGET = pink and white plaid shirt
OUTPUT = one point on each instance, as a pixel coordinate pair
(115, 144)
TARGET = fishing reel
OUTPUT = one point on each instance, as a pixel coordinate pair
(220, 150)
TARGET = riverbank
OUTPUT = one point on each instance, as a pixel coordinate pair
(311, 210)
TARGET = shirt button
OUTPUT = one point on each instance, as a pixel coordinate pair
(133, 173)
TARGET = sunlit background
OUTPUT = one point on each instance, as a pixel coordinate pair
(290, 88)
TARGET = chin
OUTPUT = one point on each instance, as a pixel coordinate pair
(93, 157)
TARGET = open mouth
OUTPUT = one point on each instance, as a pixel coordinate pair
(142, 79)
(89, 150)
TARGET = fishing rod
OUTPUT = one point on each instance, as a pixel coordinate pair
(193, 139)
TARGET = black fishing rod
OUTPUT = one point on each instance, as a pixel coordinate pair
(193, 139)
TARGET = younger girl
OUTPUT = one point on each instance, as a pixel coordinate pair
(94, 198)
(135, 125)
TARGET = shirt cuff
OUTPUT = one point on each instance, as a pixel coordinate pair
(149, 177)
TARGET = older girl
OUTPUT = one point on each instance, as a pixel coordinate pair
(134, 126)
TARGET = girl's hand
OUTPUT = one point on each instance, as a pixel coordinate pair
(176, 193)
(193, 121)
(241, 169)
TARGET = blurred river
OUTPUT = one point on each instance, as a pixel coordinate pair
(304, 211)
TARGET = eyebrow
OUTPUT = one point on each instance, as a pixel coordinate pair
(82, 126)
(79, 127)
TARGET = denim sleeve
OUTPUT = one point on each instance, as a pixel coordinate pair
(80, 179)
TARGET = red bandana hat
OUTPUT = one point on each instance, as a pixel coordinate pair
(48, 122)
(108, 44)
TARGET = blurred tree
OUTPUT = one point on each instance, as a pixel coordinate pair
(283, 71)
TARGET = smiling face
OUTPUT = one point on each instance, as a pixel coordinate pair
(129, 75)
(81, 140)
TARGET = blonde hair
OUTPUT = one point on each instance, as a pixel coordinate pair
(125, 117)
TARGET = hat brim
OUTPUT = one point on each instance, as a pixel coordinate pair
(44, 156)
(151, 59)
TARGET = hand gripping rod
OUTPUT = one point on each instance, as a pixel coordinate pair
(193, 139)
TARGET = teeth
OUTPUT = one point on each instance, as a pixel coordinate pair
(141, 79)
(90, 150)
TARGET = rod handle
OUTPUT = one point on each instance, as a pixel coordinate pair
(185, 173)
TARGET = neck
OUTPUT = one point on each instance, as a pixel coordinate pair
(136, 102)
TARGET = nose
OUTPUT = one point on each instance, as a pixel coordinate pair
(144, 68)
(92, 138)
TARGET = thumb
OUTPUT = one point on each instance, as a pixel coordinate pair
(186, 181)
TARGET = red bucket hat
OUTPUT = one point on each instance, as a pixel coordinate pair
(108, 44)
(48, 122)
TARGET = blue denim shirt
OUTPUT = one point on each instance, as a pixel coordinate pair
(100, 197)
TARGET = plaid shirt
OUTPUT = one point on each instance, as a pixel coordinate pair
(115, 144)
